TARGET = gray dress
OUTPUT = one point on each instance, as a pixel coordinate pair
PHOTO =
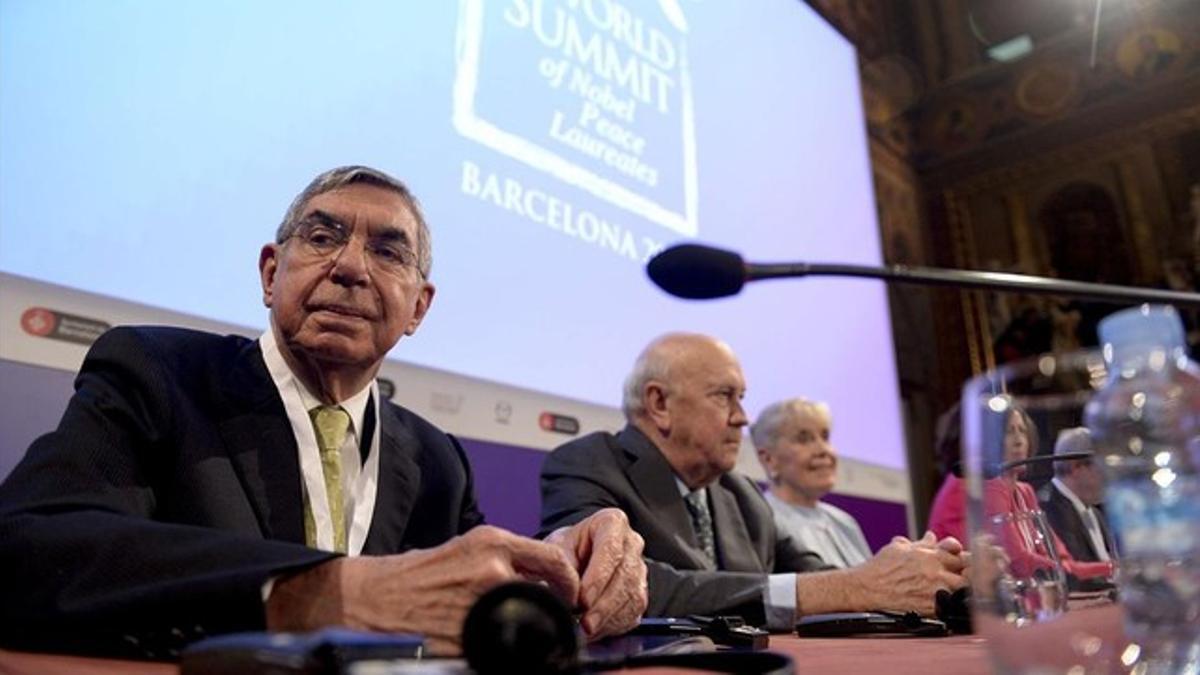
(825, 530)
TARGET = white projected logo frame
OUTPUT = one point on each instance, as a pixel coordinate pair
(470, 125)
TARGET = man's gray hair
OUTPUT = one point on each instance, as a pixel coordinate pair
(1073, 439)
(766, 429)
(651, 364)
(657, 362)
(349, 175)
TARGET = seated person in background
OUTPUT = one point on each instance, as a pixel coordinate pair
(948, 513)
(1071, 498)
(710, 542)
(792, 439)
(1007, 494)
(201, 484)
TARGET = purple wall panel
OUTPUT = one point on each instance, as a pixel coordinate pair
(506, 476)
(32, 399)
(506, 483)
(880, 520)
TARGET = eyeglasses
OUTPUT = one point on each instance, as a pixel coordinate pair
(324, 238)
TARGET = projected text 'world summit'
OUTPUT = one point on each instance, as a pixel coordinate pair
(613, 111)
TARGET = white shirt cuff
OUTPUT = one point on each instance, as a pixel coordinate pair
(780, 602)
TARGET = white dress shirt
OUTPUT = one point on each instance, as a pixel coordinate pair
(359, 480)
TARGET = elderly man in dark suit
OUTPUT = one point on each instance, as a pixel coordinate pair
(1071, 498)
(710, 541)
(201, 484)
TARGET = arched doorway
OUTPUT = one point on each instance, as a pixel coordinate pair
(1084, 236)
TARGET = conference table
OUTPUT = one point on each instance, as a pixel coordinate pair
(895, 655)
(852, 656)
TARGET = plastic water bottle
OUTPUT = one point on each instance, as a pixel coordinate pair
(1146, 425)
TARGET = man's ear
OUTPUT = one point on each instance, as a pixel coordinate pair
(268, 263)
(654, 400)
(424, 301)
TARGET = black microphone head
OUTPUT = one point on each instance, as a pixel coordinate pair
(954, 610)
(520, 628)
(697, 272)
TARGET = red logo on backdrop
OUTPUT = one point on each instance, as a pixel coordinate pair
(38, 321)
(563, 424)
(47, 323)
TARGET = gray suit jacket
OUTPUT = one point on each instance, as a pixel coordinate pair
(628, 472)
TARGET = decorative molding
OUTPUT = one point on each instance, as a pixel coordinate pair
(1153, 58)
(1105, 147)
(1116, 149)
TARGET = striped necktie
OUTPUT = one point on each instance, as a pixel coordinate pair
(330, 422)
(702, 523)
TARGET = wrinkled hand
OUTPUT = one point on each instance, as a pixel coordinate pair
(949, 544)
(427, 592)
(906, 575)
(953, 547)
(608, 555)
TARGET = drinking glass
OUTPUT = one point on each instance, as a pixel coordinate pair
(1027, 581)
(1019, 580)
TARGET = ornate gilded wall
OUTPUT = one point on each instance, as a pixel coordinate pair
(1079, 160)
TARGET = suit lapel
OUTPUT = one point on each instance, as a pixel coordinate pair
(1102, 521)
(1076, 537)
(654, 480)
(262, 448)
(1079, 532)
(734, 547)
(1083, 533)
(399, 482)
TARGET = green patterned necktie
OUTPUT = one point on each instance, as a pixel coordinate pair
(702, 523)
(330, 422)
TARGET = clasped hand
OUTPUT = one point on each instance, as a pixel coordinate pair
(595, 566)
(905, 575)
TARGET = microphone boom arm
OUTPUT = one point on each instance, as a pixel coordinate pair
(930, 276)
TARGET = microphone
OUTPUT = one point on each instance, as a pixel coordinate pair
(520, 627)
(994, 469)
(699, 272)
(1045, 459)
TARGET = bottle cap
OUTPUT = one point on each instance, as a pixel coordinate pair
(1132, 332)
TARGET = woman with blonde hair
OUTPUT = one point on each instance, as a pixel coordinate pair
(792, 438)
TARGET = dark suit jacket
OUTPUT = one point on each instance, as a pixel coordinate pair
(171, 492)
(1068, 524)
(627, 471)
